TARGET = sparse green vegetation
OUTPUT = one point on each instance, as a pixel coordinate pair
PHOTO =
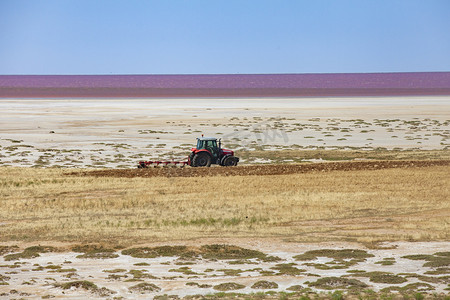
(332, 283)
(357, 254)
(230, 252)
(242, 262)
(100, 253)
(4, 279)
(8, 249)
(382, 277)
(146, 252)
(410, 289)
(229, 286)
(205, 251)
(142, 264)
(231, 272)
(184, 270)
(386, 261)
(265, 285)
(438, 271)
(115, 271)
(29, 252)
(143, 288)
(86, 285)
(202, 286)
(287, 269)
(439, 259)
(140, 275)
(295, 288)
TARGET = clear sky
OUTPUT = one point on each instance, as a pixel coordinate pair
(223, 37)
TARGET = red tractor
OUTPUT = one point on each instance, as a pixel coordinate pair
(208, 152)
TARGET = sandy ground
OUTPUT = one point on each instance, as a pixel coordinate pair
(117, 133)
(33, 278)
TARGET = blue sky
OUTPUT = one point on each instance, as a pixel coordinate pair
(223, 37)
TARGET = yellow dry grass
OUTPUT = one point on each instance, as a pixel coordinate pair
(298, 155)
(363, 206)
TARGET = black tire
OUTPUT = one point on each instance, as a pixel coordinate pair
(230, 161)
(201, 159)
(222, 160)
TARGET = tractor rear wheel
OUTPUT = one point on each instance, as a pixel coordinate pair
(201, 159)
(230, 161)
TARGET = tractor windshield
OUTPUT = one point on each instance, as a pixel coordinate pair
(200, 144)
(210, 145)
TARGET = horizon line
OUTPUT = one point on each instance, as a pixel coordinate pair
(226, 74)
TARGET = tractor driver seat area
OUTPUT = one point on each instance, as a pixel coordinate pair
(211, 146)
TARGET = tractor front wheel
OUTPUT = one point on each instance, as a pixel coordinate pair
(230, 161)
(201, 159)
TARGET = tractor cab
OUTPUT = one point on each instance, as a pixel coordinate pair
(209, 144)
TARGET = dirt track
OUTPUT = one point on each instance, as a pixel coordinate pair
(262, 169)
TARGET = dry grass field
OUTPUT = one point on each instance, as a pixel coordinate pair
(290, 156)
(365, 206)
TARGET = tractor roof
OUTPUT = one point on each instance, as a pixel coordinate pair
(207, 139)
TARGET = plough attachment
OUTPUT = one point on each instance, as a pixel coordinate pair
(165, 164)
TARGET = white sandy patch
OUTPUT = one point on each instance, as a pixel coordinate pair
(112, 133)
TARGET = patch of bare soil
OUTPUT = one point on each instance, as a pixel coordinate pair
(263, 169)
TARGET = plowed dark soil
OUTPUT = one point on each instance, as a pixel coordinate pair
(262, 169)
